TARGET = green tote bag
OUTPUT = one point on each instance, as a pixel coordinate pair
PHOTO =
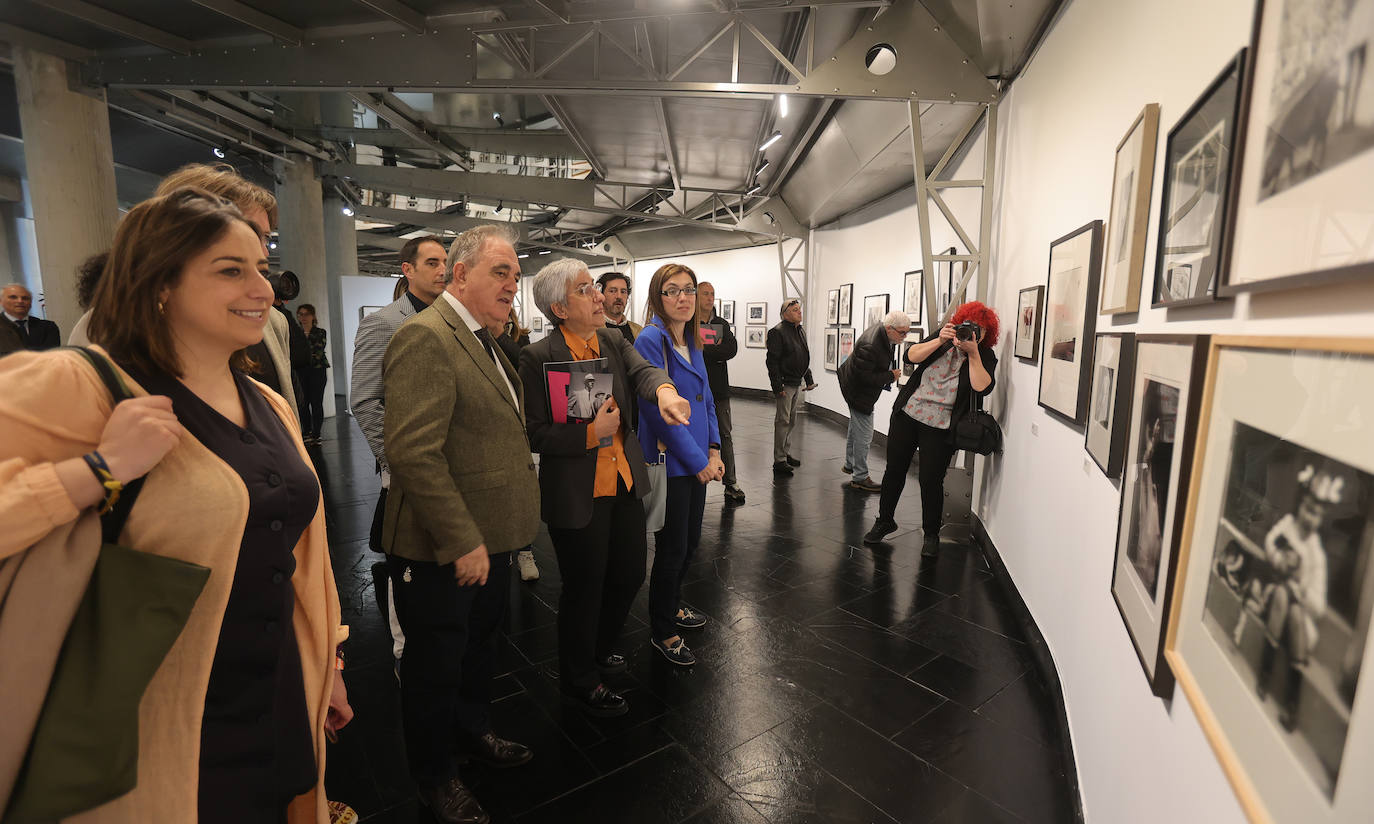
(84, 750)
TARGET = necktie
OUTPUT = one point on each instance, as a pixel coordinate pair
(24, 327)
(484, 336)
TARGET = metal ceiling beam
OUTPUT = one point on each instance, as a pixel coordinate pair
(673, 9)
(433, 221)
(249, 16)
(398, 12)
(118, 23)
(534, 142)
(391, 109)
(248, 122)
(558, 9)
(668, 147)
(802, 145)
(17, 36)
(515, 190)
(164, 108)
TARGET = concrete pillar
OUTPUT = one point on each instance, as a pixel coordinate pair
(340, 250)
(300, 235)
(70, 169)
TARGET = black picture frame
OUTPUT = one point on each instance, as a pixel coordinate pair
(1086, 327)
(1118, 395)
(1194, 139)
(914, 285)
(832, 307)
(1036, 297)
(872, 302)
(845, 316)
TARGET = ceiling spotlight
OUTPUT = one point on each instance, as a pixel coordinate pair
(272, 246)
(761, 168)
(348, 211)
(589, 244)
(782, 105)
(523, 255)
(497, 117)
(217, 152)
(754, 190)
(770, 141)
(543, 251)
(500, 204)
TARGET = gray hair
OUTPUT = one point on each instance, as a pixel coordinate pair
(468, 246)
(552, 283)
(787, 304)
(897, 319)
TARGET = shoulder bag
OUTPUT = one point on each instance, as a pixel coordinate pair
(656, 502)
(978, 431)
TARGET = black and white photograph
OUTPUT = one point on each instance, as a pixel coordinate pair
(1104, 383)
(536, 324)
(875, 307)
(1151, 478)
(845, 312)
(755, 337)
(914, 335)
(1070, 321)
(832, 307)
(577, 389)
(727, 311)
(1105, 438)
(756, 312)
(586, 394)
(914, 295)
(1197, 178)
(1290, 563)
(1028, 306)
(1300, 206)
(1132, 179)
(832, 349)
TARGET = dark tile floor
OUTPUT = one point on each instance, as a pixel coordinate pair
(836, 683)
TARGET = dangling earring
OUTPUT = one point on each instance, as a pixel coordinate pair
(160, 309)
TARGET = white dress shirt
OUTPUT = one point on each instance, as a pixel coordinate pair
(473, 326)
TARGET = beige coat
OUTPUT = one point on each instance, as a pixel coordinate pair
(193, 507)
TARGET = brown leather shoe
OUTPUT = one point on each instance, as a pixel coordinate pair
(497, 752)
(451, 802)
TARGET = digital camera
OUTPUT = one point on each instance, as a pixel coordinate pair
(968, 330)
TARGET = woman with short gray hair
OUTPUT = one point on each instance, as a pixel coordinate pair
(591, 477)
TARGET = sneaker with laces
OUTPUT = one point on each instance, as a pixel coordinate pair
(525, 560)
(677, 652)
(734, 493)
(866, 485)
(688, 618)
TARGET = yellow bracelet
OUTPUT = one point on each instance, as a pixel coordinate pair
(107, 480)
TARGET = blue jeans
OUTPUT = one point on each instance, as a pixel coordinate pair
(856, 444)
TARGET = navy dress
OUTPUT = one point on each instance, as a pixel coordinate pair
(256, 746)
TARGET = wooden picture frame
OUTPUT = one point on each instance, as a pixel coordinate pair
(1275, 487)
(1165, 398)
(1070, 321)
(1123, 262)
(1104, 435)
(1030, 303)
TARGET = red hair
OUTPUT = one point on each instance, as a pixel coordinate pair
(983, 316)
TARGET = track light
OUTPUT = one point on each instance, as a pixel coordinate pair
(500, 204)
(218, 152)
(761, 168)
(754, 190)
(348, 211)
(770, 141)
(272, 246)
(497, 117)
(523, 255)
(782, 105)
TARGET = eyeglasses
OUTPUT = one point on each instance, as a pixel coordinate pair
(675, 292)
(585, 288)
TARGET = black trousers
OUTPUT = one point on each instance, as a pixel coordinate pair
(312, 413)
(674, 546)
(447, 665)
(905, 437)
(602, 565)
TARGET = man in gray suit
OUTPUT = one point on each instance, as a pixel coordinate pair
(422, 264)
(464, 495)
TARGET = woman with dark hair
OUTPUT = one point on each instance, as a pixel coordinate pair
(951, 367)
(232, 725)
(315, 376)
(669, 341)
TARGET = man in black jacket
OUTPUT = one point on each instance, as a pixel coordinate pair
(716, 352)
(38, 333)
(789, 369)
(866, 372)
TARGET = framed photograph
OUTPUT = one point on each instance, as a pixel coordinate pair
(1164, 401)
(756, 312)
(1028, 307)
(846, 344)
(727, 311)
(755, 337)
(1269, 630)
(845, 313)
(914, 335)
(1300, 209)
(536, 324)
(1113, 363)
(875, 307)
(832, 307)
(1066, 351)
(1130, 216)
(364, 311)
(944, 285)
(1197, 178)
(914, 295)
(832, 349)
(718, 305)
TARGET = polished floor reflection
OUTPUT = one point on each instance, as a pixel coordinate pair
(835, 683)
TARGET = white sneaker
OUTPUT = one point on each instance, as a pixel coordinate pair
(525, 560)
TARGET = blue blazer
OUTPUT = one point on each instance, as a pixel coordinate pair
(688, 446)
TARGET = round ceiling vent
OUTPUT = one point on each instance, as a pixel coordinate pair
(881, 59)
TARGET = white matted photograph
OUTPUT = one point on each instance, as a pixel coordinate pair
(845, 312)
(832, 307)
(755, 337)
(1113, 364)
(913, 295)
(1129, 224)
(832, 349)
(1028, 307)
(846, 344)
(755, 312)
(1070, 320)
(875, 307)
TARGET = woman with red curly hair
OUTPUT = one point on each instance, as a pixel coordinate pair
(953, 366)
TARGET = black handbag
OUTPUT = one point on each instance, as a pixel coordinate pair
(84, 748)
(978, 431)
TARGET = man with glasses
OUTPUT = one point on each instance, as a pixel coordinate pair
(863, 376)
(616, 287)
(789, 369)
(717, 353)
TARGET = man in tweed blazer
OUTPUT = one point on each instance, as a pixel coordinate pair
(464, 495)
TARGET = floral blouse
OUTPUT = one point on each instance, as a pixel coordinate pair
(318, 360)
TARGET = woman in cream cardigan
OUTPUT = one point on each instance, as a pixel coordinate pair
(233, 725)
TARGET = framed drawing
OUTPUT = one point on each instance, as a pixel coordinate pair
(1066, 350)
(1164, 400)
(756, 312)
(364, 311)
(1028, 306)
(755, 337)
(846, 344)
(1300, 208)
(1129, 222)
(832, 349)
(1197, 179)
(913, 335)
(845, 315)
(914, 295)
(727, 311)
(1269, 631)
(875, 307)
(832, 307)
(1113, 365)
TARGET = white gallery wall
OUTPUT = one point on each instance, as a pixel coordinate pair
(357, 291)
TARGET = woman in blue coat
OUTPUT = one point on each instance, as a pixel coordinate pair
(669, 341)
